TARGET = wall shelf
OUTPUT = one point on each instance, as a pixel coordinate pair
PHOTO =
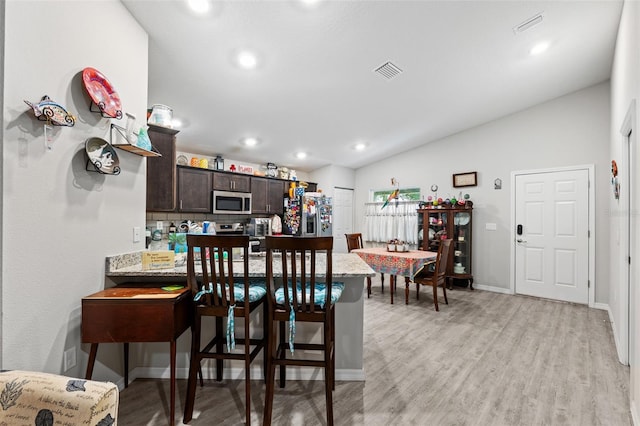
(129, 147)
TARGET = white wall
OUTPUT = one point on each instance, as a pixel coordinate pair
(331, 176)
(570, 130)
(59, 220)
(625, 87)
(2, 7)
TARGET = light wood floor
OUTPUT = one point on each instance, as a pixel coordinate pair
(484, 359)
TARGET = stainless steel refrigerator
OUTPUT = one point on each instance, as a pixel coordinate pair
(310, 215)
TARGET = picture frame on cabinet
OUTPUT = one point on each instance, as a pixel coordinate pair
(465, 179)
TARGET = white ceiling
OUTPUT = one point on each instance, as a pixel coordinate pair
(315, 88)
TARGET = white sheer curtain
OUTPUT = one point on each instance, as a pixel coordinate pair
(397, 220)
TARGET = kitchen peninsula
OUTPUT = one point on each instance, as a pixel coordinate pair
(347, 267)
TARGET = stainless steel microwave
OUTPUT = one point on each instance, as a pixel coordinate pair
(225, 202)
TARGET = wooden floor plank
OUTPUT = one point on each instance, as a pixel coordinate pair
(484, 359)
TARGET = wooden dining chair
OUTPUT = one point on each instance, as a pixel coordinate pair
(306, 293)
(434, 274)
(354, 241)
(219, 292)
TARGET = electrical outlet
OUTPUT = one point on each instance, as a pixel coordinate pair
(69, 358)
(159, 225)
(136, 234)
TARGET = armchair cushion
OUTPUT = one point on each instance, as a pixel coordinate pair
(28, 398)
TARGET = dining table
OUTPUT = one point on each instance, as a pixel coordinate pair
(403, 263)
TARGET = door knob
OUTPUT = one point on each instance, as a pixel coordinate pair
(521, 240)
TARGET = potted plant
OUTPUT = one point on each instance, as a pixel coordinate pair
(178, 242)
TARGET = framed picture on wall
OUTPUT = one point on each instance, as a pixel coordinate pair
(465, 179)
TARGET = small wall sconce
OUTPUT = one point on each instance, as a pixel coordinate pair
(497, 184)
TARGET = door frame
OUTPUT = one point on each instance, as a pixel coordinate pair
(591, 212)
(627, 267)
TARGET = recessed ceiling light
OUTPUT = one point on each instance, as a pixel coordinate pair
(310, 3)
(247, 59)
(539, 48)
(199, 6)
(301, 155)
(250, 141)
(360, 146)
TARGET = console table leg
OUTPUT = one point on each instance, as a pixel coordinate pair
(126, 364)
(172, 411)
(92, 359)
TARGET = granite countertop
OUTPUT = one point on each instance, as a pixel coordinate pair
(130, 265)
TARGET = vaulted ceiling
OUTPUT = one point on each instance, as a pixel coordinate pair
(314, 88)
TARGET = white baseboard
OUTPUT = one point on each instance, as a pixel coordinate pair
(616, 335)
(120, 383)
(492, 288)
(602, 306)
(237, 373)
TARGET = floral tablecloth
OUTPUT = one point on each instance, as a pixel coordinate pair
(395, 263)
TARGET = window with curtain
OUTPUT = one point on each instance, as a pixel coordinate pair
(405, 194)
(398, 219)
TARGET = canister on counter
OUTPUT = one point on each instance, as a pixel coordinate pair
(161, 115)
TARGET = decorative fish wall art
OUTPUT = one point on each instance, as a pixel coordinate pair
(51, 112)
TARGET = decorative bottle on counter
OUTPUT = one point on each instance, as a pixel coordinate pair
(172, 230)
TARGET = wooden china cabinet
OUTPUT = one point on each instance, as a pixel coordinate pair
(437, 224)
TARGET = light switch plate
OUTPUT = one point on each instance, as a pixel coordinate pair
(136, 234)
(491, 227)
(69, 358)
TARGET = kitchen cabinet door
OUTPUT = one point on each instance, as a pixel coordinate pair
(194, 190)
(267, 195)
(259, 195)
(231, 182)
(277, 189)
(161, 171)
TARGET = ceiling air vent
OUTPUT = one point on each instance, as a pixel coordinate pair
(529, 23)
(388, 70)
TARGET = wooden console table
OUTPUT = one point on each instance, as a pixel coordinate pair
(136, 312)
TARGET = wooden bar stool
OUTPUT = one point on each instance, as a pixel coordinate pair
(307, 294)
(218, 293)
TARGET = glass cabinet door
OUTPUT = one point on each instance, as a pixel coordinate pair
(437, 229)
(462, 242)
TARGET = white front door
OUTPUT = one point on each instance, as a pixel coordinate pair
(552, 235)
(342, 218)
